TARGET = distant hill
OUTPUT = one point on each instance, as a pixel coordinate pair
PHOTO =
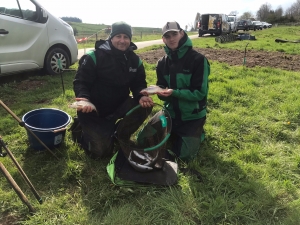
(71, 19)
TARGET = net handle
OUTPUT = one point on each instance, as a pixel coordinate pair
(167, 136)
(159, 145)
(139, 106)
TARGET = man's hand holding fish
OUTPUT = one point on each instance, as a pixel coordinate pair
(83, 105)
(146, 101)
(165, 92)
(152, 89)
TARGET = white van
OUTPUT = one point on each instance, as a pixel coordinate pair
(31, 38)
(233, 22)
(214, 24)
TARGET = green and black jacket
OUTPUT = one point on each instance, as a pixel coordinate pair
(185, 71)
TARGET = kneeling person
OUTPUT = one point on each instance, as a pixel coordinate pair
(105, 77)
(184, 72)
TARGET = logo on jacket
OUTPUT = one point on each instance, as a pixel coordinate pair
(132, 69)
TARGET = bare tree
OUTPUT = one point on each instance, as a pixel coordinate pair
(264, 12)
(246, 16)
(294, 10)
(278, 12)
(191, 26)
(197, 19)
(234, 13)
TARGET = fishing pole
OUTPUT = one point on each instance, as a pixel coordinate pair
(21, 171)
(16, 187)
(61, 76)
(22, 124)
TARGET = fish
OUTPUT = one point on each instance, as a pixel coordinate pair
(138, 166)
(152, 89)
(146, 157)
(80, 104)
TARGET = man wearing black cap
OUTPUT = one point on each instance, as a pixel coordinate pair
(184, 73)
(105, 78)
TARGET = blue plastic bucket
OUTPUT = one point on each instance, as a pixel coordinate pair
(49, 125)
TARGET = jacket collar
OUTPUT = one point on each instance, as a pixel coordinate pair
(184, 45)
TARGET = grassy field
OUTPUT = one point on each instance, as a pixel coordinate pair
(85, 29)
(99, 31)
(249, 161)
(265, 41)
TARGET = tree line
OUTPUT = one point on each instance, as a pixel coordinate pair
(71, 19)
(267, 14)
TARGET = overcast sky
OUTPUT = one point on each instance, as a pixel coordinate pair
(152, 13)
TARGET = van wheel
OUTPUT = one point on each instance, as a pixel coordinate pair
(56, 60)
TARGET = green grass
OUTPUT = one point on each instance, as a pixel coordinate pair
(249, 160)
(265, 40)
(90, 43)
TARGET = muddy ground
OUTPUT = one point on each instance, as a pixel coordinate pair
(235, 57)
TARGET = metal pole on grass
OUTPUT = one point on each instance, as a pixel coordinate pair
(16, 188)
(36, 195)
(244, 62)
(61, 72)
(22, 124)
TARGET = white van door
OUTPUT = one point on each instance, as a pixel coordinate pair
(23, 39)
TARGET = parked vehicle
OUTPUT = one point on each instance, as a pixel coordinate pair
(245, 25)
(266, 25)
(31, 38)
(258, 25)
(233, 22)
(214, 24)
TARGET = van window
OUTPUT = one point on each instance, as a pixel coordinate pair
(231, 19)
(11, 8)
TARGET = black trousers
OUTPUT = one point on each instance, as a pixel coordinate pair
(98, 132)
(185, 138)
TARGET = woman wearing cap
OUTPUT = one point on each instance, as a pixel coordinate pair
(105, 77)
(184, 72)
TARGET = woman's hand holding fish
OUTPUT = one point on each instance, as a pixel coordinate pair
(146, 101)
